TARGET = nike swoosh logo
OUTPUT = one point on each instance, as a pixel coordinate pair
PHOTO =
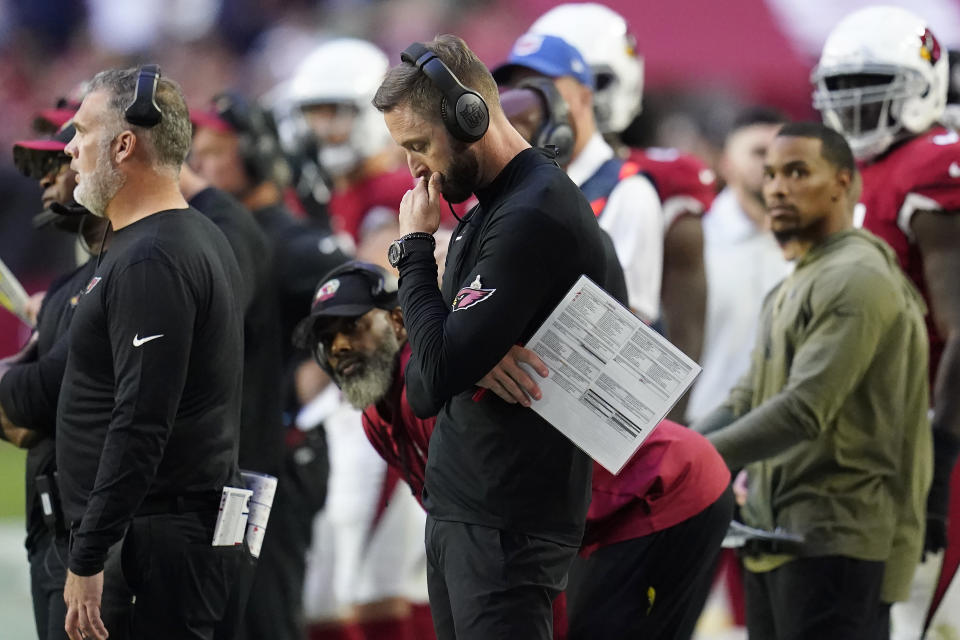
(954, 170)
(138, 341)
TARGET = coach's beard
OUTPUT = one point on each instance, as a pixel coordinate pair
(95, 190)
(375, 376)
(460, 177)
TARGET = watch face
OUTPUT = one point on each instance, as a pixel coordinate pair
(394, 252)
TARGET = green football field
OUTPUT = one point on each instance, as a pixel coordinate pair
(15, 606)
(11, 481)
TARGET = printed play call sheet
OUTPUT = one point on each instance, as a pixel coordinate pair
(612, 378)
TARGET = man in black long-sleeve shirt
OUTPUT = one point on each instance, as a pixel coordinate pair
(235, 149)
(149, 409)
(28, 400)
(29, 390)
(506, 493)
(261, 426)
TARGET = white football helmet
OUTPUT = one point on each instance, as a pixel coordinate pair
(602, 37)
(882, 76)
(345, 73)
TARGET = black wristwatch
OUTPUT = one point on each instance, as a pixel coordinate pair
(400, 249)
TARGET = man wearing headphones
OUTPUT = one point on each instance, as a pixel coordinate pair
(506, 493)
(626, 205)
(540, 114)
(29, 384)
(149, 409)
(235, 149)
(653, 531)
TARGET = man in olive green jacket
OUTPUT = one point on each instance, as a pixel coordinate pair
(831, 419)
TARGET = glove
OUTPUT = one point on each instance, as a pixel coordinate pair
(946, 447)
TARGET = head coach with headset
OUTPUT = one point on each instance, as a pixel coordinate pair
(149, 408)
(506, 493)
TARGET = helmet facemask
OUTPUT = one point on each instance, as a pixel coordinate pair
(335, 131)
(343, 75)
(605, 93)
(867, 105)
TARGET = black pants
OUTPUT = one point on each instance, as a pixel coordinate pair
(182, 583)
(816, 599)
(48, 573)
(231, 627)
(649, 587)
(490, 584)
(277, 610)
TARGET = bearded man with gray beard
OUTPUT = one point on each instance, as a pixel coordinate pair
(149, 409)
(371, 520)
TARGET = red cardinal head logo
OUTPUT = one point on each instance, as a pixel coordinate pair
(470, 296)
(929, 47)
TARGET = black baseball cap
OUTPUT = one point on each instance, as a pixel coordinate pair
(349, 291)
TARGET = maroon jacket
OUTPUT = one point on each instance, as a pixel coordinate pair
(674, 475)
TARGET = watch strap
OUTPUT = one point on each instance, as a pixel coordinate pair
(419, 235)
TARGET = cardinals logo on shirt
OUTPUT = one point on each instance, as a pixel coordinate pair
(94, 281)
(470, 296)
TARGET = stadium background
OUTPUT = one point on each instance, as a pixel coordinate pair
(704, 60)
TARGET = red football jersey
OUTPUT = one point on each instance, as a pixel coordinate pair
(918, 175)
(350, 207)
(674, 475)
(401, 439)
(684, 183)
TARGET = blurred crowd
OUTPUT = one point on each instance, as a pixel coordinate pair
(47, 49)
(280, 96)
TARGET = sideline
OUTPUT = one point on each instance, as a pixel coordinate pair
(16, 608)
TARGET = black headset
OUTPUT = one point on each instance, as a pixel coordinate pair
(469, 116)
(556, 130)
(143, 110)
(259, 145)
(384, 295)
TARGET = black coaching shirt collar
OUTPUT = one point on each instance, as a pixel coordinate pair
(510, 175)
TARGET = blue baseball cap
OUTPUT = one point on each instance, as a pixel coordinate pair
(549, 55)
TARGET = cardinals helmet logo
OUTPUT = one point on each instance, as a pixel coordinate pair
(929, 47)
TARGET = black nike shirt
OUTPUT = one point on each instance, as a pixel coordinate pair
(509, 264)
(29, 391)
(261, 415)
(150, 402)
(301, 256)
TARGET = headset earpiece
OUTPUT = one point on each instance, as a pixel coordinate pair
(143, 110)
(259, 147)
(463, 111)
(380, 289)
(556, 130)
